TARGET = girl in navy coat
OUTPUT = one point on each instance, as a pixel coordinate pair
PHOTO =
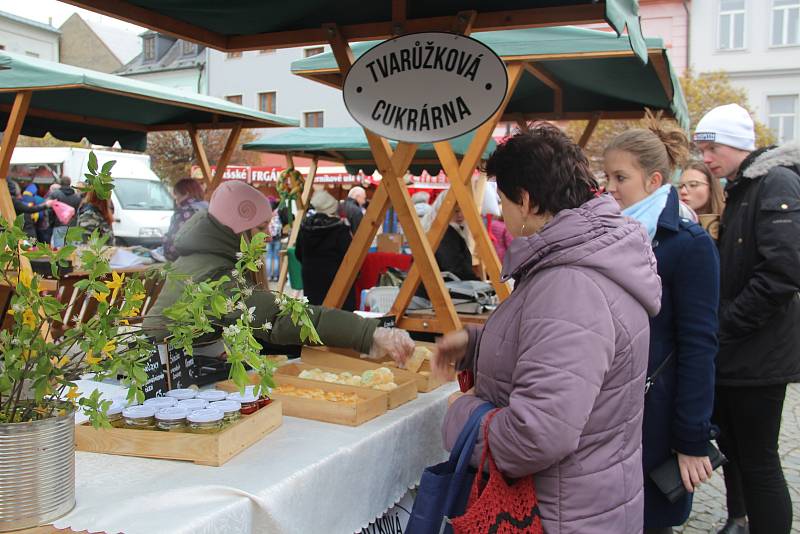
(678, 406)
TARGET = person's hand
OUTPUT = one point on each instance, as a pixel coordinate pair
(458, 394)
(392, 342)
(450, 349)
(694, 470)
(48, 202)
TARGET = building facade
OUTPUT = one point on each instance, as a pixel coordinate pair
(263, 80)
(757, 42)
(169, 61)
(93, 46)
(28, 37)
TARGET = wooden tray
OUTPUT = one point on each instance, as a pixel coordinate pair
(424, 378)
(372, 404)
(204, 449)
(406, 387)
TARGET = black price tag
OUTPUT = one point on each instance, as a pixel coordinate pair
(181, 371)
(388, 321)
(156, 385)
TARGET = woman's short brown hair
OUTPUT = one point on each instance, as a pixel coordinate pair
(189, 187)
(545, 162)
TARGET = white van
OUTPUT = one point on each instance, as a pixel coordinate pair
(143, 206)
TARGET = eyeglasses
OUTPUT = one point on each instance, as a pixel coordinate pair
(692, 184)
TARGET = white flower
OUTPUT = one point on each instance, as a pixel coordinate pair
(18, 308)
(239, 255)
(241, 305)
(229, 304)
(235, 272)
(304, 299)
(267, 326)
(230, 331)
(247, 292)
(251, 313)
(259, 263)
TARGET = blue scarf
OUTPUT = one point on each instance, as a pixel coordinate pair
(648, 210)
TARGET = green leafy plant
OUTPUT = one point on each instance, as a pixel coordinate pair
(38, 370)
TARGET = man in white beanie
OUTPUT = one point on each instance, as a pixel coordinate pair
(759, 247)
(353, 207)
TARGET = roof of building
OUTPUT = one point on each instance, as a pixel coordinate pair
(29, 22)
(124, 44)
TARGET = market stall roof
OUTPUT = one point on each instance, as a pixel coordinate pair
(349, 146)
(254, 24)
(570, 73)
(72, 103)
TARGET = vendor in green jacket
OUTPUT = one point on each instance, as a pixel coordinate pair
(207, 245)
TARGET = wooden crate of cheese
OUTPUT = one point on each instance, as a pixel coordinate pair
(422, 376)
(205, 449)
(331, 403)
(405, 390)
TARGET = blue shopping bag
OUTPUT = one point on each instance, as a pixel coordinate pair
(444, 488)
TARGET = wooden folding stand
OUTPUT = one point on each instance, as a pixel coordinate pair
(302, 207)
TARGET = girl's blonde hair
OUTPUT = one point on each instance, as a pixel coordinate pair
(716, 198)
(660, 146)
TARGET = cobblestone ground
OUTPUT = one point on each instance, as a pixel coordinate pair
(708, 511)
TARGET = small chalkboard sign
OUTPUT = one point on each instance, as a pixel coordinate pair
(180, 369)
(388, 321)
(156, 385)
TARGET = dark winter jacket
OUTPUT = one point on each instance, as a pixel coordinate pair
(90, 219)
(321, 246)
(67, 195)
(351, 210)
(678, 406)
(759, 247)
(453, 255)
(20, 206)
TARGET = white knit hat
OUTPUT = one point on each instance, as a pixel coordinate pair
(730, 125)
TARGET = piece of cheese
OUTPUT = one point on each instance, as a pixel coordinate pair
(418, 358)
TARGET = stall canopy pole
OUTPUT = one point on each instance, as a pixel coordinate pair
(202, 158)
(392, 174)
(468, 164)
(589, 130)
(18, 111)
(227, 152)
(305, 201)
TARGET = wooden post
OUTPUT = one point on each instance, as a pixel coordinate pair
(16, 117)
(305, 199)
(227, 152)
(550, 81)
(468, 163)
(202, 158)
(589, 130)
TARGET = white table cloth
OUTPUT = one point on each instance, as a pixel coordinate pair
(305, 477)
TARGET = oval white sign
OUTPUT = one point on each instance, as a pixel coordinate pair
(425, 87)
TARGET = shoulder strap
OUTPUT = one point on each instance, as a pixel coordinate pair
(652, 378)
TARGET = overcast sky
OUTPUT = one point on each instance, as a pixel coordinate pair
(44, 10)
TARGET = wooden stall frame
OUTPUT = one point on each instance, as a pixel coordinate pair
(302, 209)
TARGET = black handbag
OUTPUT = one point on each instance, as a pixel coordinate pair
(667, 476)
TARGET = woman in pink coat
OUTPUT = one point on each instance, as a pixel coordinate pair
(565, 355)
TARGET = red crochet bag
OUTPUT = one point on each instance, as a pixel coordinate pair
(496, 506)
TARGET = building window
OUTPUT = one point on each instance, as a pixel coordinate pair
(266, 101)
(785, 22)
(312, 119)
(236, 99)
(234, 55)
(267, 51)
(313, 51)
(188, 48)
(731, 24)
(783, 117)
(149, 48)
(2, 47)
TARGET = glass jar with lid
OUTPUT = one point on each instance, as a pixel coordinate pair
(139, 417)
(114, 413)
(161, 402)
(248, 401)
(181, 394)
(172, 419)
(263, 399)
(229, 408)
(193, 404)
(206, 421)
(212, 395)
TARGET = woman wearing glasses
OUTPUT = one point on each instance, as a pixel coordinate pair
(700, 191)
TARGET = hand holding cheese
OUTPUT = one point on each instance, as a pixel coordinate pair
(392, 342)
(450, 349)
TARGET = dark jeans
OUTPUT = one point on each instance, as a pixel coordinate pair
(749, 419)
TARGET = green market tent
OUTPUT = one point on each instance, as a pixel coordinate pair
(349, 146)
(72, 103)
(254, 24)
(593, 71)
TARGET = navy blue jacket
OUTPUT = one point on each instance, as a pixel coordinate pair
(678, 406)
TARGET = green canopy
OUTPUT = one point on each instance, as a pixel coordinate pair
(252, 24)
(72, 103)
(349, 146)
(595, 70)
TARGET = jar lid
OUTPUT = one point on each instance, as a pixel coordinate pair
(226, 406)
(175, 413)
(238, 397)
(139, 411)
(182, 393)
(208, 415)
(250, 390)
(116, 407)
(161, 402)
(212, 395)
(193, 404)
